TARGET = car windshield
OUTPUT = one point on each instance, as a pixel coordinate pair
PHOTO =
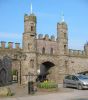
(83, 77)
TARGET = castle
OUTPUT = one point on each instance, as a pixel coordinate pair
(50, 55)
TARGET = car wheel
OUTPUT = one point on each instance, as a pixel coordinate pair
(79, 87)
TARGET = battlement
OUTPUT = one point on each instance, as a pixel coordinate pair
(76, 52)
(46, 37)
(30, 17)
(9, 45)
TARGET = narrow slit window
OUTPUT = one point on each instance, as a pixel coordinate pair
(32, 63)
(65, 49)
(43, 50)
(31, 28)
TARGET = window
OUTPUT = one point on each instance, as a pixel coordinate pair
(43, 50)
(68, 77)
(32, 63)
(75, 78)
(64, 35)
(32, 28)
(51, 52)
(65, 49)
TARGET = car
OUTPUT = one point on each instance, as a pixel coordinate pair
(78, 81)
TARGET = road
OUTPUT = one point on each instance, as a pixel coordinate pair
(71, 95)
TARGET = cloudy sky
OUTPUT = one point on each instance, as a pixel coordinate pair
(48, 13)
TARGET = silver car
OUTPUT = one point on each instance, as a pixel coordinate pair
(78, 81)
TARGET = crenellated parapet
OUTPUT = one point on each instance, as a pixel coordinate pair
(9, 45)
(86, 48)
(76, 52)
(46, 37)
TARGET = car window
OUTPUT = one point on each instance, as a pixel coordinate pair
(75, 78)
(68, 77)
(83, 77)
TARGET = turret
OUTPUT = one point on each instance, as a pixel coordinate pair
(30, 24)
(29, 36)
(62, 31)
(62, 37)
(29, 45)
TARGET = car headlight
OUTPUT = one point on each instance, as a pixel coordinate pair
(84, 83)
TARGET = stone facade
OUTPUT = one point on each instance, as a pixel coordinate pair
(49, 55)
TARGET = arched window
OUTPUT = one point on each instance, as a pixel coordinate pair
(51, 51)
(43, 50)
(32, 63)
(31, 28)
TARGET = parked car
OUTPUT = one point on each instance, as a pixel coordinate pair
(78, 81)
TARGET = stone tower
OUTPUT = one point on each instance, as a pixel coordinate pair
(29, 34)
(29, 45)
(62, 38)
(62, 45)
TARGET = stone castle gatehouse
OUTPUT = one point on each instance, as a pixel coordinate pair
(50, 55)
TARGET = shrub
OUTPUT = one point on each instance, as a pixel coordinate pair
(5, 91)
(47, 85)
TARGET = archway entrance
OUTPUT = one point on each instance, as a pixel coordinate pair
(2, 77)
(44, 70)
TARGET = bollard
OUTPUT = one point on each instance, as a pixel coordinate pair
(31, 87)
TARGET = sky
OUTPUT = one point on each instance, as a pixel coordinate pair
(48, 14)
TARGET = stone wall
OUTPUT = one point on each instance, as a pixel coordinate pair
(48, 45)
(78, 64)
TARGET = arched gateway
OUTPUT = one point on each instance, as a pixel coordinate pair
(5, 71)
(45, 70)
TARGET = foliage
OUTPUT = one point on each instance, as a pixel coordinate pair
(47, 85)
(5, 91)
(14, 72)
(9, 92)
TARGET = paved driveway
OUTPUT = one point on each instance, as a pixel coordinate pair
(63, 94)
(73, 95)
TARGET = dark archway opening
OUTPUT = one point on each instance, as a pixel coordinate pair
(44, 71)
(3, 77)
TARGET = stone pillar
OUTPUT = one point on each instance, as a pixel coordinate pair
(3, 44)
(17, 45)
(10, 45)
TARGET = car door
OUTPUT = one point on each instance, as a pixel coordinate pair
(74, 81)
(68, 80)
